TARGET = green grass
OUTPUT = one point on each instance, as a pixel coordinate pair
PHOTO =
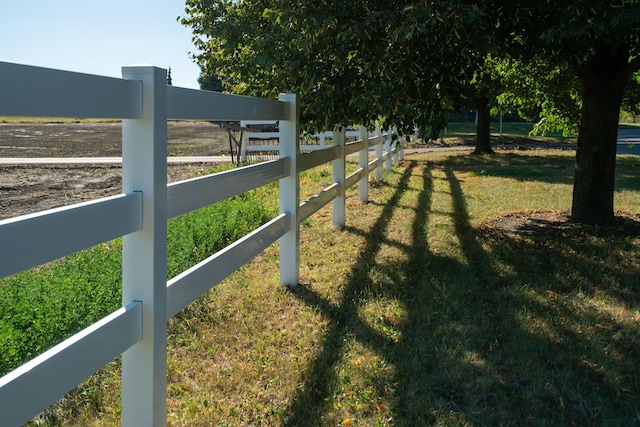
(41, 307)
(418, 312)
(510, 130)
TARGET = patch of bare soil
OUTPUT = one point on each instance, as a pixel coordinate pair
(104, 139)
(547, 224)
(32, 188)
(29, 189)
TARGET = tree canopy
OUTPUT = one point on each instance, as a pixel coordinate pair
(348, 61)
(542, 92)
(403, 63)
(210, 81)
(631, 99)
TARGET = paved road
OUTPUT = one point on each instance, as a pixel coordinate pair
(629, 141)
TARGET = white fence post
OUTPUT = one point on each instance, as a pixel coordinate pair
(339, 174)
(387, 149)
(363, 163)
(379, 153)
(290, 192)
(144, 253)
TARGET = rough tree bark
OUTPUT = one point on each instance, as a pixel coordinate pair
(483, 131)
(603, 79)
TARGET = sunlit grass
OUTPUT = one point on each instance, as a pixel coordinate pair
(467, 130)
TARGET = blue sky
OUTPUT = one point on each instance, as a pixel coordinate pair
(98, 36)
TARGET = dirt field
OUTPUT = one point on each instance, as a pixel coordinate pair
(27, 189)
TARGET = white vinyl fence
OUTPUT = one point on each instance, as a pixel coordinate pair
(260, 141)
(138, 329)
(265, 143)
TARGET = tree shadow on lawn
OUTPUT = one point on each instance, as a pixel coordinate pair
(515, 331)
(551, 168)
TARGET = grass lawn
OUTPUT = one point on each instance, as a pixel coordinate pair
(510, 131)
(418, 312)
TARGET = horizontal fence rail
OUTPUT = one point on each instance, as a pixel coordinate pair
(42, 92)
(354, 147)
(317, 158)
(44, 236)
(192, 283)
(318, 201)
(189, 195)
(138, 329)
(58, 370)
(202, 105)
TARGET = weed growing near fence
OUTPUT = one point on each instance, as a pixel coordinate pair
(41, 307)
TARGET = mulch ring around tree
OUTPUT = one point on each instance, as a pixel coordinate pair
(557, 224)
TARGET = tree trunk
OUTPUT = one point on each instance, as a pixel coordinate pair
(602, 88)
(483, 130)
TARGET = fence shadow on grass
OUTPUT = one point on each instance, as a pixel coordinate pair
(311, 401)
(504, 333)
(551, 168)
